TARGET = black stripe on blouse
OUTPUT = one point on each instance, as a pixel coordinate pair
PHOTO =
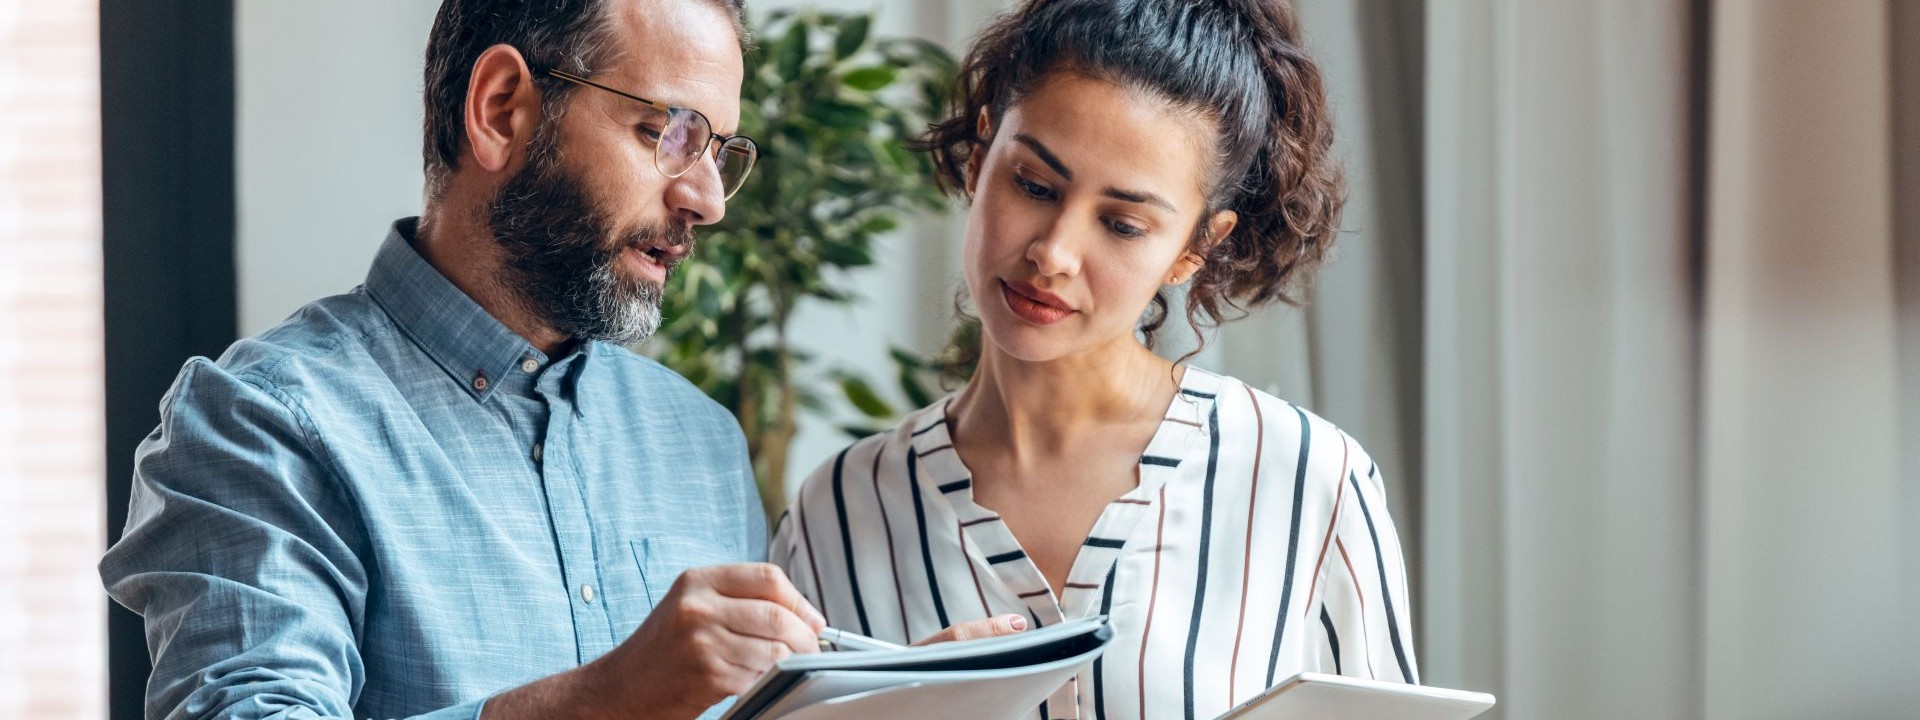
(1293, 543)
(1206, 543)
(846, 540)
(1333, 639)
(1386, 596)
(926, 550)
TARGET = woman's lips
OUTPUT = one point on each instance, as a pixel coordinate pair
(1032, 305)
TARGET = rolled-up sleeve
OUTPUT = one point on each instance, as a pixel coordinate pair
(245, 558)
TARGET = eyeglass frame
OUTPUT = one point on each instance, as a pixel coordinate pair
(669, 109)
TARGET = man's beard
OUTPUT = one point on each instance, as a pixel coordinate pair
(561, 255)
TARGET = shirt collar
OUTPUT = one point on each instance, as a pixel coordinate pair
(463, 338)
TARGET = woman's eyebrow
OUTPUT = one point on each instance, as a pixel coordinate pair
(1138, 196)
(1046, 156)
(1053, 161)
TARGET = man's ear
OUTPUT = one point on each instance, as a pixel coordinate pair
(983, 139)
(502, 109)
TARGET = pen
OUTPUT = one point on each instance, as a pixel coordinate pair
(853, 641)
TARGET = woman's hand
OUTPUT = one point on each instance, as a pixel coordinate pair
(977, 629)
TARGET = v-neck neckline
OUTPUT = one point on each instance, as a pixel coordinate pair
(1183, 428)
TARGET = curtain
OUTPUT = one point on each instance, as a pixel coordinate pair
(1800, 404)
(1670, 352)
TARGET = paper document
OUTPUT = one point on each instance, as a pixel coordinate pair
(992, 679)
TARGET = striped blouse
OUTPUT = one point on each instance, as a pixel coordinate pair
(1256, 545)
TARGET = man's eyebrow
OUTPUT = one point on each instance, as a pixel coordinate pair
(1138, 196)
(1046, 156)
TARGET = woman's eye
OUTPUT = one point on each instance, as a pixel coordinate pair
(1032, 189)
(1124, 230)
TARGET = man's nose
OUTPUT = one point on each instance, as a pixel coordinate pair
(697, 195)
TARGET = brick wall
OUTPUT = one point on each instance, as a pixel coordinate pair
(52, 638)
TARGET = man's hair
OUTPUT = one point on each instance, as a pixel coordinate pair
(571, 35)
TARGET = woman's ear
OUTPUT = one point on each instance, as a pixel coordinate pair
(1218, 228)
(983, 139)
(1185, 268)
(1190, 263)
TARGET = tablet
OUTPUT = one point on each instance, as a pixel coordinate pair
(1316, 696)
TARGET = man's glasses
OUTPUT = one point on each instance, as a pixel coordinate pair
(681, 136)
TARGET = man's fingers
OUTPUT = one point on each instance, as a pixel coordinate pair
(767, 621)
(977, 629)
(761, 581)
(753, 655)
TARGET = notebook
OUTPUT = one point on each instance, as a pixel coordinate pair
(999, 678)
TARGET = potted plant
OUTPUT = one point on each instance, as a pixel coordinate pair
(831, 108)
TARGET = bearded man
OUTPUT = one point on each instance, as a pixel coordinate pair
(453, 492)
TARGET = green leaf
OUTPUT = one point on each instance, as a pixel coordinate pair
(792, 50)
(834, 295)
(846, 255)
(842, 115)
(856, 432)
(905, 358)
(865, 399)
(911, 386)
(870, 79)
(851, 35)
(879, 224)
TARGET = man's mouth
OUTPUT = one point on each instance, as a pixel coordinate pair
(648, 262)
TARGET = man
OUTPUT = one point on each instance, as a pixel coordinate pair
(451, 492)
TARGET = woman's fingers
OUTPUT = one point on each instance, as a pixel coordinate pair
(976, 629)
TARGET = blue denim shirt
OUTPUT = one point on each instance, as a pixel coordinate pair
(391, 506)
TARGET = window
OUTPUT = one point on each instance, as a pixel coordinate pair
(52, 633)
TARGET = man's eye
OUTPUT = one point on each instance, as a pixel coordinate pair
(650, 133)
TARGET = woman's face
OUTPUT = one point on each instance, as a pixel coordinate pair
(1083, 207)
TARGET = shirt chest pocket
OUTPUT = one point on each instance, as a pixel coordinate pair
(663, 559)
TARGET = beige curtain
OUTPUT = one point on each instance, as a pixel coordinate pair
(1801, 435)
(1560, 460)
(1668, 391)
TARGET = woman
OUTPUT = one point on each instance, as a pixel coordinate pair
(1113, 150)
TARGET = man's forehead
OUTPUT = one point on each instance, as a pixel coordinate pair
(681, 52)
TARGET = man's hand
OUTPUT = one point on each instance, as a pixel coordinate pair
(976, 629)
(713, 635)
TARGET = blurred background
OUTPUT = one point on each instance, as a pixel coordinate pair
(1627, 308)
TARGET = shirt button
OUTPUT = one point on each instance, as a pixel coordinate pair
(529, 365)
(537, 450)
(586, 594)
(479, 381)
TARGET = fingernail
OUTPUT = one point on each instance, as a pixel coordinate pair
(1019, 623)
